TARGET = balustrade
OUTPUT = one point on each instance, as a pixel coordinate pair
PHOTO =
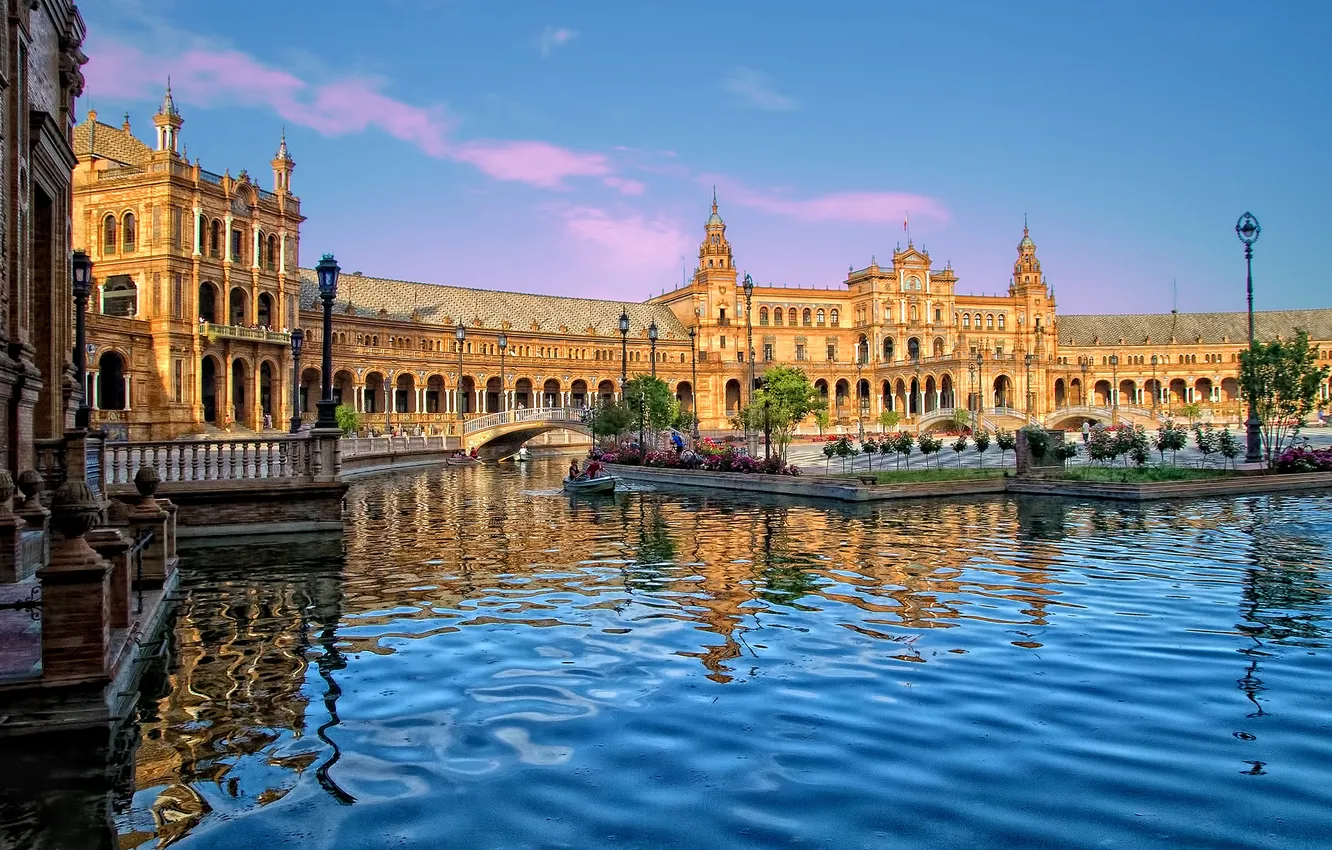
(358, 446)
(290, 459)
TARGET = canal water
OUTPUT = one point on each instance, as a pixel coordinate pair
(489, 663)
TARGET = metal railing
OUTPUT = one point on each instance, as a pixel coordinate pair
(527, 414)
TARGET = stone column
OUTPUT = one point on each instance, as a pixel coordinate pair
(148, 516)
(75, 591)
(111, 545)
(37, 517)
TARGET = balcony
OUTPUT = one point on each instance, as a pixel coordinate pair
(212, 332)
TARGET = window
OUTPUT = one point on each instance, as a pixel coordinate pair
(109, 235)
(237, 242)
(215, 240)
(777, 316)
(834, 317)
(177, 297)
(807, 317)
(723, 342)
(157, 225)
(763, 315)
(800, 351)
(989, 321)
(791, 315)
(157, 294)
(721, 316)
(740, 356)
(966, 320)
(888, 348)
(819, 320)
(177, 383)
(914, 316)
(832, 352)
(767, 351)
(1001, 321)
(272, 253)
(938, 315)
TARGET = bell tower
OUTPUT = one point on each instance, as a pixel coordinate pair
(1027, 275)
(283, 165)
(1034, 301)
(168, 123)
(716, 274)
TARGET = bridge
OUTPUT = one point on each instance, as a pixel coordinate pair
(498, 435)
(1071, 418)
(991, 418)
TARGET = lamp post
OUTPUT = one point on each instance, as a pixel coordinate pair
(503, 399)
(1247, 230)
(971, 399)
(693, 376)
(460, 334)
(82, 281)
(388, 405)
(1026, 359)
(327, 271)
(749, 334)
(1114, 387)
(652, 340)
(1084, 363)
(1156, 387)
(860, 416)
(980, 383)
(624, 350)
(297, 342)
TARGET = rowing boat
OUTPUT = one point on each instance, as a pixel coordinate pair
(604, 484)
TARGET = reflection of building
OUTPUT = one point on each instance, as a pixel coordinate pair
(198, 281)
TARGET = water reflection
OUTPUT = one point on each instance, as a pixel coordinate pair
(498, 662)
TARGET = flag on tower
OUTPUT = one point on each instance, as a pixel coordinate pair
(904, 224)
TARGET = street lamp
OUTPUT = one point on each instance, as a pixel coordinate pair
(693, 376)
(1027, 361)
(971, 399)
(297, 342)
(860, 414)
(82, 279)
(980, 382)
(1085, 363)
(652, 340)
(503, 399)
(1247, 230)
(1156, 387)
(1114, 387)
(624, 349)
(749, 333)
(460, 334)
(327, 271)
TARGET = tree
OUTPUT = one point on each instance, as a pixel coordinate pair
(843, 449)
(1229, 446)
(928, 446)
(982, 444)
(1007, 441)
(961, 419)
(889, 420)
(829, 449)
(1191, 412)
(902, 444)
(652, 399)
(960, 446)
(1171, 437)
(608, 420)
(778, 407)
(684, 420)
(1207, 441)
(348, 419)
(869, 447)
(822, 419)
(1280, 380)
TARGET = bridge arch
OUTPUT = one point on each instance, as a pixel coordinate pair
(499, 435)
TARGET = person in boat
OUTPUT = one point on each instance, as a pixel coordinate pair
(472, 454)
(574, 471)
(594, 469)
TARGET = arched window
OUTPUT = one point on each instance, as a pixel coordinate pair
(120, 297)
(913, 348)
(978, 321)
(791, 314)
(215, 240)
(763, 315)
(966, 320)
(128, 233)
(835, 316)
(777, 316)
(913, 313)
(807, 317)
(109, 235)
(272, 252)
(989, 321)
(888, 348)
(1001, 321)
(819, 317)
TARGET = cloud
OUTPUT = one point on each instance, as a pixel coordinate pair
(351, 104)
(851, 207)
(631, 241)
(553, 37)
(625, 185)
(755, 88)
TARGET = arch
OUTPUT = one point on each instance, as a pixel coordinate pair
(1060, 392)
(818, 317)
(266, 387)
(900, 396)
(938, 346)
(886, 395)
(578, 393)
(239, 380)
(913, 348)
(404, 393)
(109, 234)
(1077, 391)
(888, 348)
(606, 392)
(265, 315)
(1101, 394)
(966, 320)
(1230, 390)
(913, 398)
(434, 394)
(236, 306)
(467, 394)
(1202, 389)
(522, 394)
(947, 398)
(989, 321)
(215, 239)
(208, 374)
(208, 298)
(1001, 320)
(310, 389)
(834, 316)
(733, 397)
(684, 393)
(373, 397)
(862, 396)
(863, 349)
(791, 316)
(344, 388)
(272, 258)
(492, 395)
(777, 316)
(807, 317)
(129, 232)
(1003, 391)
(841, 390)
(1179, 391)
(1128, 389)
(120, 297)
(763, 315)
(931, 394)
(111, 381)
(550, 394)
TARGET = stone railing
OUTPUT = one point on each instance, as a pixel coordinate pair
(527, 414)
(281, 461)
(211, 330)
(360, 446)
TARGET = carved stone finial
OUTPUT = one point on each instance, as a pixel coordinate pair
(146, 481)
(30, 485)
(6, 492)
(74, 509)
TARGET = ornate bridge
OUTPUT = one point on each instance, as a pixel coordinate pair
(1071, 418)
(498, 435)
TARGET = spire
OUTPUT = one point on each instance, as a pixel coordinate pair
(715, 219)
(168, 104)
(282, 153)
(1026, 236)
(714, 197)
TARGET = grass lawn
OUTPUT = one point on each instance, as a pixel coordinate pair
(922, 475)
(1141, 475)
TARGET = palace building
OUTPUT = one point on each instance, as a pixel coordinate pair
(198, 283)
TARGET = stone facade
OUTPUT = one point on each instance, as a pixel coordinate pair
(900, 337)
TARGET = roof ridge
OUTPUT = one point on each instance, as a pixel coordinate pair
(344, 277)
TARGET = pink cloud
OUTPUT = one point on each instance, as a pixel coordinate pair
(855, 207)
(632, 241)
(626, 185)
(537, 163)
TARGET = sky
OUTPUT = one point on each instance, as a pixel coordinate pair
(572, 147)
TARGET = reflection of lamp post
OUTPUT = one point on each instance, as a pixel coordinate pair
(1026, 359)
(327, 270)
(503, 399)
(1156, 387)
(1247, 230)
(460, 334)
(297, 341)
(1114, 387)
(624, 350)
(82, 281)
(693, 378)
(652, 340)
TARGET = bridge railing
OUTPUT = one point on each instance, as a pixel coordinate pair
(526, 414)
(360, 446)
(285, 460)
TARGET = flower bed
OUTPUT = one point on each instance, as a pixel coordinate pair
(710, 455)
(1304, 460)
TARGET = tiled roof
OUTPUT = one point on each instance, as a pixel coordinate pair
(444, 305)
(107, 142)
(1192, 327)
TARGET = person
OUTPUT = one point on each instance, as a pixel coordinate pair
(677, 441)
(574, 471)
(472, 454)
(1086, 433)
(594, 469)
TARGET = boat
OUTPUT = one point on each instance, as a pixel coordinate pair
(523, 455)
(604, 484)
(462, 461)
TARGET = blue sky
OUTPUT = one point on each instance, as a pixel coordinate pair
(571, 147)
